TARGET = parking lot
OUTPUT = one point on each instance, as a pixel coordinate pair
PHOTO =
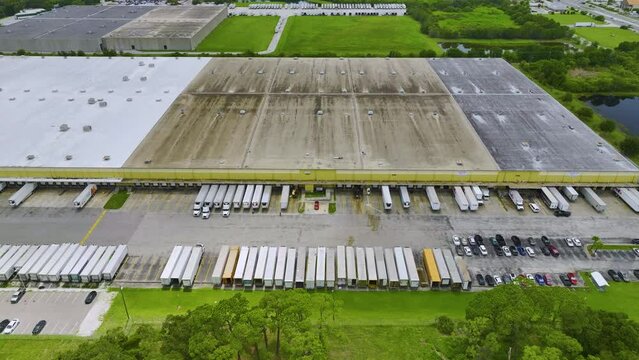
(64, 311)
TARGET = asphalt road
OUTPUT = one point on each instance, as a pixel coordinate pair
(611, 17)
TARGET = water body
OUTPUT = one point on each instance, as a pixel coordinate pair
(624, 110)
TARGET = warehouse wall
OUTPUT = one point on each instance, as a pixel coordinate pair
(51, 45)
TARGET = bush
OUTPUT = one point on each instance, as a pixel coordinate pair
(607, 126)
(445, 325)
(567, 97)
(630, 146)
(585, 113)
(427, 53)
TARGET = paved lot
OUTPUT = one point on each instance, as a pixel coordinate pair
(64, 310)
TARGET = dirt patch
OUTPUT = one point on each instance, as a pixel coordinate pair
(578, 72)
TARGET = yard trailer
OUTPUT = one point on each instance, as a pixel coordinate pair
(220, 263)
(85, 275)
(311, 267)
(600, 282)
(320, 268)
(404, 196)
(413, 276)
(455, 277)
(386, 198)
(54, 272)
(444, 274)
(96, 272)
(218, 200)
(593, 199)
(548, 198)
(391, 269)
(628, 198)
(260, 267)
(248, 196)
(467, 280)
(562, 204)
(42, 262)
(570, 193)
(257, 197)
(227, 202)
(380, 267)
(3, 185)
(460, 198)
(371, 267)
(473, 205)
(430, 265)
(433, 199)
(111, 268)
(249, 269)
(180, 265)
(199, 198)
(239, 195)
(43, 274)
(165, 277)
(341, 266)
(266, 196)
(280, 267)
(286, 191)
(73, 260)
(289, 274)
(400, 262)
(516, 198)
(25, 257)
(83, 261)
(21, 195)
(8, 268)
(84, 196)
(190, 271)
(330, 268)
(300, 268)
(351, 267)
(238, 275)
(479, 194)
(23, 273)
(269, 270)
(208, 199)
(229, 268)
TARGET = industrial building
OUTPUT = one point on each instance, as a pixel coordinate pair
(288, 120)
(167, 28)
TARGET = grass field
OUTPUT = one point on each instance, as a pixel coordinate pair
(246, 4)
(481, 18)
(117, 200)
(607, 37)
(30, 348)
(571, 19)
(618, 297)
(240, 34)
(353, 36)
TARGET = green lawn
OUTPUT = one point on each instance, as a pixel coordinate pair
(607, 37)
(117, 200)
(246, 4)
(571, 19)
(481, 18)
(18, 347)
(618, 297)
(240, 34)
(353, 36)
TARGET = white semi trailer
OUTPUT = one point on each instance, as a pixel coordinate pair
(628, 198)
(219, 197)
(266, 196)
(404, 196)
(248, 196)
(460, 198)
(549, 198)
(239, 195)
(21, 195)
(386, 198)
(570, 193)
(562, 204)
(516, 199)
(85, 196)
(257, 196)
(473, 205)
(431, 193)
(593, 199)
(199, 199)
(286, 192)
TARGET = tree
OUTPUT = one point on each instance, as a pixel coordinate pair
(630, 145)
(607, 125)
(445, 325)
(597, 244)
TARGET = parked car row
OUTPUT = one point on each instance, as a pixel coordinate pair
(474, 245)
(619, 276)
(567, 280)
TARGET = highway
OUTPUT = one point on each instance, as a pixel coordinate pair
(611, 17)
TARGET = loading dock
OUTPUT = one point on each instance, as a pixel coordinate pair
(220, 264)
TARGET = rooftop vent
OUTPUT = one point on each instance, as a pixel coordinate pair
(459, 163)
(292, 71)
(68, 157)
(141, 63)
(41, 99)
(343, 72)
(110, 91)
(54, 90)
(129, 99)
(370, 112)
(147, 161)
(125, 78)
(64, 127)
(27, 90)
(30, 157)
(143, 78)
(91, 101)
(87, 128)
(70, 99)
(260, 71)
(12, 99)
(151, 65)
(158, 100)
(322, 72)
(320, 112)
(138, 91)
(82, 91)
(106, 157)
(103, 104)
(166, 91)
(361, 72)
(242, 112)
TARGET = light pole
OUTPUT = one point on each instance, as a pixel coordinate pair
(126, 309)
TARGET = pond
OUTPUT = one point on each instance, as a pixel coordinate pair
(624, 110)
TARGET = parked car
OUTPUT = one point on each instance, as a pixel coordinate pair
(479, 240)
(521, 251)
(226, 213)
(577, 242)
(564, 280)
(506, 251)
(316, 205)
(636, 272)
(3, 324)
(480, 279)
(483, 250)
(569, 242)
(530, 251)
(622, 277)
(635, 241)
(613, 275)
(15, 298)
(90, 297)
(562, 213)
(494, 241)
(459, 250)
(489, 280)
(500, 240)
(498, 280)
(499, 251)
(475, 250)
(515, 239)
(13, 324)
(530, 277)
(553, 250)
(456, 240)
(467, 251)
(545, 240)
(513, 250)
(507, 279)
(548, 279)
(464, 241)
(534, 207)
(540, 279)
(636, 251)
(39, 326)
(471, 241)
(531, 241)
(572, 277)
(545, 251)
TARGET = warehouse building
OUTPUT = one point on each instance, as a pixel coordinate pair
(69, 28)
(167, 28)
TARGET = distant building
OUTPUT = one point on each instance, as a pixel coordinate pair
(27, 13)
(630, 4)
(585, 24)
(556, 6)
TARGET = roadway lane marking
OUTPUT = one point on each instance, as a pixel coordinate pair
(95, 224)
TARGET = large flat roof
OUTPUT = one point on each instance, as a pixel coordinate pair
(169, 22)
(38, 95)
